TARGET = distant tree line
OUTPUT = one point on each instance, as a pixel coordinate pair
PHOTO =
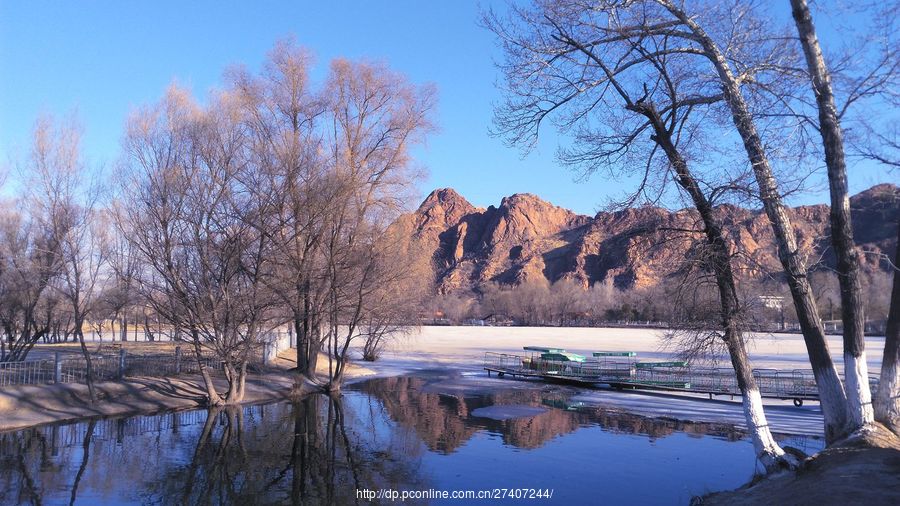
(568, 303)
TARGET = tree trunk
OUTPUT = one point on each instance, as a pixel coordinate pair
(300, 325)
(767, 450)
(315, 346)
(124, 329)
(856, 374)
(887, 397)
(336, 376)
(237, 378)
(89, 373)
(242, 381)
(212, 395)
(148, 334)
(832, 397)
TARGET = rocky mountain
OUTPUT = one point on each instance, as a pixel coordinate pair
(526, 238)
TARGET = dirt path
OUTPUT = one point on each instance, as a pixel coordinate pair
(29, 405)
(858, 471)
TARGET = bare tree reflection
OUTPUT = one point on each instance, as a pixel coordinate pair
(85, 456)
(318, 450)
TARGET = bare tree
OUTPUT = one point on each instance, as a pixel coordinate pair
(568, 299)
(120, 293)
(61, 188)
(887, 399)
(394, 306)
(282, 112)
(190, 221)
(859, 395)
(599, 70)
(373, 116)
(331, 162)
(686, 27)
(30, 263)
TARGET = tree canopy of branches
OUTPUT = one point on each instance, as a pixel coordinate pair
(275, 199)
(645, 89)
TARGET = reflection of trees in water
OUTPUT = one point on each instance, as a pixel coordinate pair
(315, 451)
(297, 453)
(438, 419)
(19, 474)
(85, 456)
(444, 421)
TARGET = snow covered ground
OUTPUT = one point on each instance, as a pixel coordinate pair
(463, 348)
(453, 345)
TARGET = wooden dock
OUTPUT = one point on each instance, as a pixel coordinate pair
(621, 370)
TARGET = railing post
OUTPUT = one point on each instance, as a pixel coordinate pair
(267, 351)
(57, 368)
(121, 363)
(178, 360)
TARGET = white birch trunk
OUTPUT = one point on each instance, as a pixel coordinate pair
(887, 397)
(859, 395)
(767, 449)
(832, 397)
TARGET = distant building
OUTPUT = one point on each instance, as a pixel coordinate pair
(772, 301)
(775, 303)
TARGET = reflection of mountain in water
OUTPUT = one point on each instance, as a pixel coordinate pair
(321, 450)
(445, 421)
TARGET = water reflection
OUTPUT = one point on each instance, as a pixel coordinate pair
(446, 421)
(282, 453)
(399, 433)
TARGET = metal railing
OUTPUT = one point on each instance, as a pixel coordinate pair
(104, 367)
(788, 384)
(31, 372)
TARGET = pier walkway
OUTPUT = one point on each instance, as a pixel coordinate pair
(621, 370)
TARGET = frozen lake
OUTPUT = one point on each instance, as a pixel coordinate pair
(428, 431)
(462, 348)
(451, 344)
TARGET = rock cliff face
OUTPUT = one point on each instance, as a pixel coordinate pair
(526, 238)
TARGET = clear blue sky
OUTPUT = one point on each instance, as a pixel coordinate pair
(101, 59)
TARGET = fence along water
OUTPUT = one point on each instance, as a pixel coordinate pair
(107, 365)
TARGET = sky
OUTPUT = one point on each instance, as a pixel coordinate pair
(100, 60)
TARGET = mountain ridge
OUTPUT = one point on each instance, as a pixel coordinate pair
(526, 238)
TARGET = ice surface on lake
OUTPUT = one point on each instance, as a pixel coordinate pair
(463, 348)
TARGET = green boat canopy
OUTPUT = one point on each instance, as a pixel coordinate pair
(544, 349)
(614, 354)
(563, 357)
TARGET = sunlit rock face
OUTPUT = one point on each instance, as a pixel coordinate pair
(527, 239)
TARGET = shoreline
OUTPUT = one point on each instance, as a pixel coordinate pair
(862, 469)
(28, 406)
(460, 348)
(873, 463)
